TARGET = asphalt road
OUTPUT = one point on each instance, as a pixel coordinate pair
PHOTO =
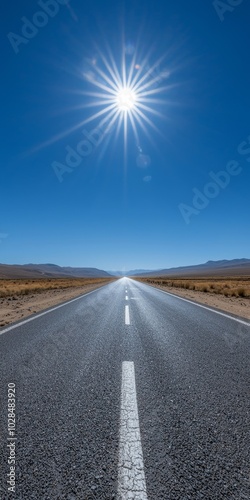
(127, 393)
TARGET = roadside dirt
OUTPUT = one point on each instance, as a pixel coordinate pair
(234, 305)
(21, 306)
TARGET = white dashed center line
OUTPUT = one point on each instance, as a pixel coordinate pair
(126, 298)
(131, 475)
(127, 316)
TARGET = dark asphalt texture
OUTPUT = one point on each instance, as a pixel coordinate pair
(192, 369)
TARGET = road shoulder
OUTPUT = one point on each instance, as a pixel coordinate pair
(232, 305)
(22, 306)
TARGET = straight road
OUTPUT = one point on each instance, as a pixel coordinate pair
(128, 393)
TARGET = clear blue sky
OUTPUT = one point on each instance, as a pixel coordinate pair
(112, 211)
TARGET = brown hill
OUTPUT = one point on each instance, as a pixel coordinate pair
(48, 271)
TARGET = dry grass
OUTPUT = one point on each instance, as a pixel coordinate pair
(229, 287)
(12, 288)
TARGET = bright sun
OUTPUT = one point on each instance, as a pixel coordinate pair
(126, 95)
(126, 99)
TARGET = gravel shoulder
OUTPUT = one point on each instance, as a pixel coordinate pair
(234, 305)
(21, 306)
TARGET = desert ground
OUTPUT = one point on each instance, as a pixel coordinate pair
(229, 294)
(20, 298)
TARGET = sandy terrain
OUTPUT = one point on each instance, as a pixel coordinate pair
(14, 308)
(234, 305)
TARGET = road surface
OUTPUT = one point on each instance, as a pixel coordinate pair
(127, 393)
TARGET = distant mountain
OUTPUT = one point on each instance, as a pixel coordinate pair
(49, 271)
(137, 272)
(219, 267)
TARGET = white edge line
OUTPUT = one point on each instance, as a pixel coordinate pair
(200, 305)
(131, 475)
(45, 312)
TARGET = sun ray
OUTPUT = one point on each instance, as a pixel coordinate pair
(97, 94)
(142, 65)
(154, 91)
(106, 78)
(117, 76)
(144, 128)
(147, 120)
(157, 90)
(149, 72)
(153, 101)
(104, 87)
(111, 115)
(121, 95)
(113, 72)
(57, 137)
(151, 110)
(124, 95)
(100, 113)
